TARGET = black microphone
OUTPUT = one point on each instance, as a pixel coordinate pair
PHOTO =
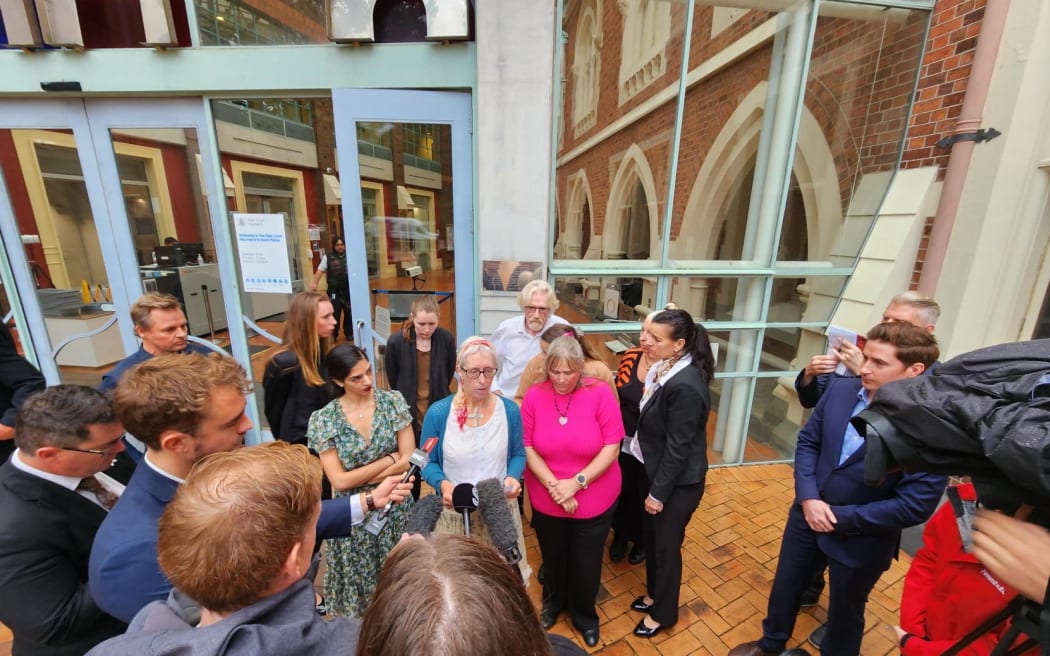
(492, 503)
(465, 500)
(377, 522)
(424, 515)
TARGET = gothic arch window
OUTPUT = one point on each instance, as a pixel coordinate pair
(635, 236)
(577, 225)
(586, 68)
(632, 214)
(643, 57)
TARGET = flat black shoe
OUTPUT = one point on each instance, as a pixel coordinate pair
(637, 555)
(645, 632)
(548, 617)
(617, 551)
(590, 637)
(639, 605)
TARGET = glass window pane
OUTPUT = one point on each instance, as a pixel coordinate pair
(61, 243)
(612, 188)
(241, 22)
(858, 94)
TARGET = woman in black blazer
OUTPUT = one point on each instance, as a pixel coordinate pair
(671, 443)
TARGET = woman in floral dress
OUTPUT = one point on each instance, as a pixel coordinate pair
(363, 436)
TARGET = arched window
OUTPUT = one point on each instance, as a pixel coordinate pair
(636, 224)
(586, 67)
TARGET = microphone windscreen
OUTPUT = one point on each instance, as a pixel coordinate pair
(464, 497)
(492, 504)
(424, 515)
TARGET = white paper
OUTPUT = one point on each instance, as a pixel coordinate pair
(262, 248)
(835, 333)
(381, 323)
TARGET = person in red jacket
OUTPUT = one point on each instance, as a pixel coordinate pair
(947, 592)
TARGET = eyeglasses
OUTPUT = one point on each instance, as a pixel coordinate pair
(107, 449)
(532, 309)
(487, 372)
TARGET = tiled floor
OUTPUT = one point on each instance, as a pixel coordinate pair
(730, 556)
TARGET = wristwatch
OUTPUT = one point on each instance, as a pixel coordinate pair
(581, 480)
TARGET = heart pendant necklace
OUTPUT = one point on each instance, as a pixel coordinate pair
(563, 416)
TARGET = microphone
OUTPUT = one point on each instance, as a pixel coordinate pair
(424, 515)
(492, 504)
(465, 500)
(377, 522)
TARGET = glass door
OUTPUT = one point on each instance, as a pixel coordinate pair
(407, 207)
(110, 199)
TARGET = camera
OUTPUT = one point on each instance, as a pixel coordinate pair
(985, 414)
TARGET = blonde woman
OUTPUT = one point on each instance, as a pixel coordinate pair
(535, 372)
(479, 437)
(293, 385)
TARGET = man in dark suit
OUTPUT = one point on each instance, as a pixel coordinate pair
(18, 379)
(50, 509)
(836, 518)
(183, 407)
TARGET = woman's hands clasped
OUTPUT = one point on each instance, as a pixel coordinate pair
(562, 490)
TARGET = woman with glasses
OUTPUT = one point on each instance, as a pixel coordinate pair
(364, 435)
(479, 437)
(573, 431)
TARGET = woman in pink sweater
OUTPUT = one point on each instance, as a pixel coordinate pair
(573, 430)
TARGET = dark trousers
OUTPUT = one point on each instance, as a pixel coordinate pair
(627, 522)
(572, 563)
(800, 560)
(664, 534)
(341, 308)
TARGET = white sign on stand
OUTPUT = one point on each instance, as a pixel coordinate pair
(263, 250)
(381, 324)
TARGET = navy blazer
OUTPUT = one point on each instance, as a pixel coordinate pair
(870, 518)
(45, 537)
(124, 572)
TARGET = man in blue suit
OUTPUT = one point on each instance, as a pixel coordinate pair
(183, 407)
(838, 519)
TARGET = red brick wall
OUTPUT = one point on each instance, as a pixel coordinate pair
(942, 85)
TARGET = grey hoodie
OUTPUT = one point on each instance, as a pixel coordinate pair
(284, 624)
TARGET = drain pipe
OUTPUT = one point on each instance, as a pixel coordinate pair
(962, 151)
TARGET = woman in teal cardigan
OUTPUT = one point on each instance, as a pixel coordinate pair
(479, 437)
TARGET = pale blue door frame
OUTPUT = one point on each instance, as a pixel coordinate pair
(91, 122)
(404, 106)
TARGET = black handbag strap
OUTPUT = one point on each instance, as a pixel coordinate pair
(985, 626)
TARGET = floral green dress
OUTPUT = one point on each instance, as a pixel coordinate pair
(353, 563)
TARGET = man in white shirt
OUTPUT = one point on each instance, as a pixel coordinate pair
(517, 339)
(51, 506)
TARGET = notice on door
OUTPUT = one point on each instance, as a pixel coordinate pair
(263, 250)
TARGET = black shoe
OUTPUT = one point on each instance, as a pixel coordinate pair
(640, 605)
(644, 631)
(637, 555)
(818, 634)
(617, 550)
(590, 637)
(539, 574)
(548, 617)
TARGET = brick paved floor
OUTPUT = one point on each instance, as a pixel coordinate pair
(730, 555)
